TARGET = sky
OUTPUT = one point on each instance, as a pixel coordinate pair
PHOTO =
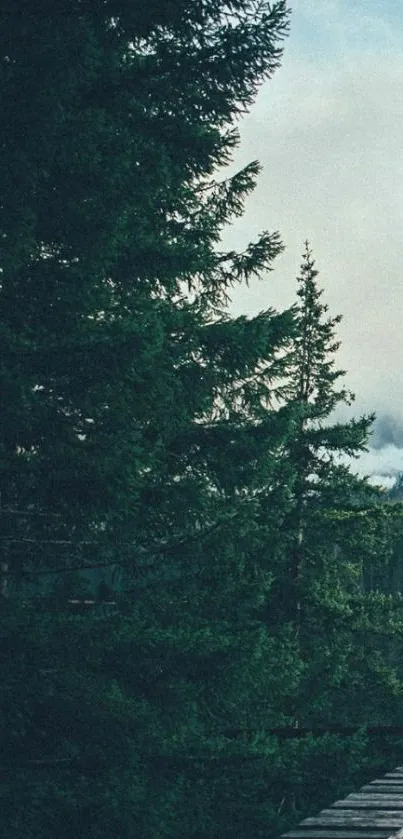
(328, 132)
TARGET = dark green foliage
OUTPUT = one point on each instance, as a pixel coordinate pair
(336, 529)
(177, 530)
(108, 215)
(127, 398)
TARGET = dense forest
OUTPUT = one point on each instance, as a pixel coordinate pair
(201, 618)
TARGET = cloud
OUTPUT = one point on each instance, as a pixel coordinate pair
(328, 130)
(382, 464)
(388, 431)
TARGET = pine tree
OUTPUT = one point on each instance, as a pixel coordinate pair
(320, 529)
(318, 442)
(109, 212)
(135, 429)
(333, 532)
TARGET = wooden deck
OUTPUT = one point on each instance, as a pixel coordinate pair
(375, 812)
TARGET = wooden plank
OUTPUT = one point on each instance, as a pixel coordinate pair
(371, 802)
(337, 834)
(384, 786)
(384, 782)
(382, 790)
(370, 815)
(394, 796)
(385, 790)
(376, 790)
(374, 812)
(362, 820)
(367, 796)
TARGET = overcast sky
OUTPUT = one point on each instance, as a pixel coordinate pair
(328, 130)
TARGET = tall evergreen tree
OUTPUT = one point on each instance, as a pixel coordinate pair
(108, 212)
(133, 426)
(333, 531)
(318, 442)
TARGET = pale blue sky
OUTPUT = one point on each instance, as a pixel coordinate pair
(341, 25)
(328, 130)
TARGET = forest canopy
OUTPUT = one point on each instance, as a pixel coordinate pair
(189, 569)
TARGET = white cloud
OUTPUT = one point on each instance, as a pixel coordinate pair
(384, 464)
